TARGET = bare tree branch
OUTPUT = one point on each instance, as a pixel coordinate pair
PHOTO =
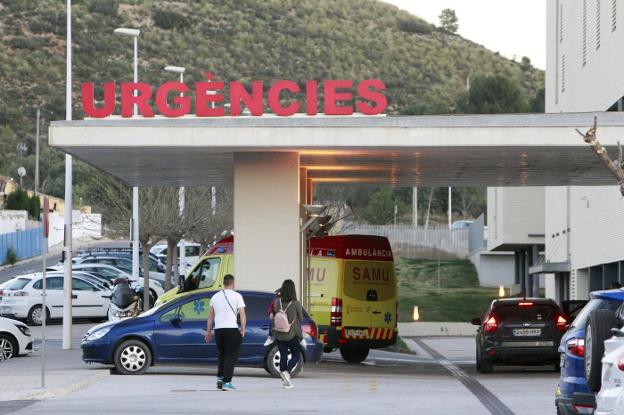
(615, 167)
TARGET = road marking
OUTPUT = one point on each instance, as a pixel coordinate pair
(487, 398)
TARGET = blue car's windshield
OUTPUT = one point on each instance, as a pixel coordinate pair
(595, 304)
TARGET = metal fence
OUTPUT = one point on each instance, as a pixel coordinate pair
(26, 243)
(417, 241)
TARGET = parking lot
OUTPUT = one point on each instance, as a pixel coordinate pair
(439, 379)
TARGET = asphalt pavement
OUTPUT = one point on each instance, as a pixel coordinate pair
(439, 379)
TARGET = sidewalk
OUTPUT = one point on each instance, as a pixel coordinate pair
(65, 373)
(20, 378)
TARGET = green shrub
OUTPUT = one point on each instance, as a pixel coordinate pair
(34, 208)
(18, 200)
(11, 257)
(415, 26)
(167, 19)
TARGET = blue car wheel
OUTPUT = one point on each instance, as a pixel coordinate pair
(132, 357)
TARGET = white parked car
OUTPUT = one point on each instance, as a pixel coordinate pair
(192, 251)
(15, 339)
(610, 399)
(111, 273)
(22, 299)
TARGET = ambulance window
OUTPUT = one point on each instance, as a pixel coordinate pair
(208, 272)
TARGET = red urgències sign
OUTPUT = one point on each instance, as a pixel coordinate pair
(171, 99)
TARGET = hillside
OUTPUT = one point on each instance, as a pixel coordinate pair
(424, 68)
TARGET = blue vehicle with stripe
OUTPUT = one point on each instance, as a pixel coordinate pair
(173, 333)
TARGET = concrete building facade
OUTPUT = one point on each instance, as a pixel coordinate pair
(583, 225)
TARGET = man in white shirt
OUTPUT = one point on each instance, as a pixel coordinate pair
(225, 307)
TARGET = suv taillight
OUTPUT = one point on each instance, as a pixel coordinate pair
(490, 326)
(336, 312)
(576, 347)
(310, 329)
(561, 324)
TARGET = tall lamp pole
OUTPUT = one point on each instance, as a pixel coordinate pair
(134, 34)
(182, 256)
(67, 278)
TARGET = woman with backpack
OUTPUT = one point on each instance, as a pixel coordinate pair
(287, 317)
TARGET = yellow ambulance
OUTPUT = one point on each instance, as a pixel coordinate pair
(352, 290)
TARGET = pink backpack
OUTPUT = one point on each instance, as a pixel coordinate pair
(280, 321)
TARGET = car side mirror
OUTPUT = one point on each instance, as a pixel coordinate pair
(175, 319)
(475, 321)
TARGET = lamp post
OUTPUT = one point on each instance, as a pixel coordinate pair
(182, 249)
(134, 34)
(67, 274)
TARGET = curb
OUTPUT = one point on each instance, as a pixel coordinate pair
(34, 394)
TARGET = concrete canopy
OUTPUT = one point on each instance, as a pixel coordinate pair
(471, 150)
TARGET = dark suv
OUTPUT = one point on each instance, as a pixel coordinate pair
(519, 331)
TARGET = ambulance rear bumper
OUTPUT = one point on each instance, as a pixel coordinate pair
(364, 337)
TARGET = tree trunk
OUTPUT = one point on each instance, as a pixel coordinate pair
(429, 207)
(170, 247)
(203, 247)
(146, 266)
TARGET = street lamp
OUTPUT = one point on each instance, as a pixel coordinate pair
(176, 69)
(182, 255)
(134, 34)
(67, 244)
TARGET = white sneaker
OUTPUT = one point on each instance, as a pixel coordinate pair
(269, 341)
(286, 383)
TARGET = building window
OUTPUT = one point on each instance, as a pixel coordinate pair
(598, 24)
(561, 23)
(563, 63)
(613, 15)
(584, 45)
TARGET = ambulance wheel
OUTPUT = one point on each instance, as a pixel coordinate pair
(354, 355)
(272, 363)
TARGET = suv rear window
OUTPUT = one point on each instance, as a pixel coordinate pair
(514, 313)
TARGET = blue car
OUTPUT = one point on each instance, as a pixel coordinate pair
(173, 333)
(572, 350)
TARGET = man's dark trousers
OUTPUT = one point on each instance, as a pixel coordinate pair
(228, 346)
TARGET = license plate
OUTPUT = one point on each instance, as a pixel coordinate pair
(527, 332)
(356, 333)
